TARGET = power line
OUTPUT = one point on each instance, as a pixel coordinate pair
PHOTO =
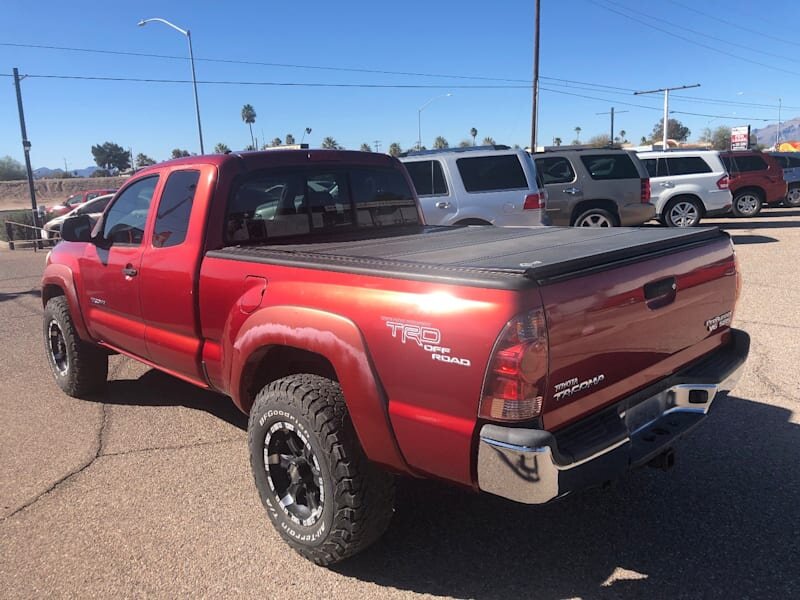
(690, 40)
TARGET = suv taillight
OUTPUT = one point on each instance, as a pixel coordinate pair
(723, 183)
(645, 190)
(515, 382)
(536, 200)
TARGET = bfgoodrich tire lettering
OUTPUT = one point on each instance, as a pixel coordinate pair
(79, 368)
(321, 493)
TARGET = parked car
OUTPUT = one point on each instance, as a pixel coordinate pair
(594, 187)
(75, 200)
(94, 208)
(479, 185)
(687, 185)
(755, 179)
(526, 362)
(790, 161)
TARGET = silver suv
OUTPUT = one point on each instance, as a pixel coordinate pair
(594, 187)
(687, 185)
(479, 185)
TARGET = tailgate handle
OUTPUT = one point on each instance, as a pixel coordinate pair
(660, 293)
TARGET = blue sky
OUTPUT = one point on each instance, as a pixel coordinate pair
(582, 40)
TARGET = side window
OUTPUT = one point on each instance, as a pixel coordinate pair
(382, 197)
(751, 163)
(555, 169)
(91, 196)
(730, 165)
(687, 165)
(73, 201)
(782, 160)
(792, 161)
(662, 168)
(267, 205)
(175, 208)
(126, 219)
(650, 165)
(428, 177)
(490, 173)
(610, 166)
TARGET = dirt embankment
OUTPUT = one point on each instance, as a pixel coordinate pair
(14, 194)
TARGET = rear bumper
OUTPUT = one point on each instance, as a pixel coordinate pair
(533, 466)
(636, 214)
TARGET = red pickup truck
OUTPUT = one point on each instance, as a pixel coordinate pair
(523, 362)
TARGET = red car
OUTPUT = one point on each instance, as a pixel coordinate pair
(75, 200)
(755, 179)
(523, 362)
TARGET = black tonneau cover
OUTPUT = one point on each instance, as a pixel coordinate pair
(502, 257)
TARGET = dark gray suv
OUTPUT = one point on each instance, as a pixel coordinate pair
(594, 187)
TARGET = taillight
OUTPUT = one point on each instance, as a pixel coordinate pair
(515, 382)
(723, 183)
(646, 190)
(536, 200)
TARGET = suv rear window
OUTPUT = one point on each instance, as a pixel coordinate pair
(489, 173)
(295, 202)
(610, 166)
(555, 169)
(687, 165)
(428, 177)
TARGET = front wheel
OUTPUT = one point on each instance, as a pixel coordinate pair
(747, 204)
(596, 217)
(682, 212)
(321, 493)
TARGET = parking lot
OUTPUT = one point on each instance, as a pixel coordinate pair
(146, 490)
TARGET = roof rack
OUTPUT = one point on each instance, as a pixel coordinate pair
(580, 147)
(465, 149)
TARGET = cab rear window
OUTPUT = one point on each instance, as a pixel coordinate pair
(610, 166)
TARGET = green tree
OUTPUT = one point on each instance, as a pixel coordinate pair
(557, 141)
(599, 141)
(488, 141)
(395, 149)
(11, 169)
(474, 133)
(249, 117)
(440, 142)
(466, 143)
(178, 153)
(366, 148)
(330, 144)
(250, 148)
(221, 148)
(675, 130)
(289, 139)
(101, 173)
(142, 160)
(111, 157)
(578, 134)
(277, 142)
(721, 138)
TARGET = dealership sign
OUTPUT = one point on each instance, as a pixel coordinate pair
(740, 137)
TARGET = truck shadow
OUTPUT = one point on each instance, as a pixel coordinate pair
(752, 239)
(721, 524)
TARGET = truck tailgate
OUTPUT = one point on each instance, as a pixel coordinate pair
(616, 328)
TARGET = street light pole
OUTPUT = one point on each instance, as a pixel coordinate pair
(666, 106)
(188, 35)
(535, 107)
(419, 117)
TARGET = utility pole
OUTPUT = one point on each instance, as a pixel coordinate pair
(666, 106)
(377, 145)
(26, 148)
(612, 113)
(535, 108)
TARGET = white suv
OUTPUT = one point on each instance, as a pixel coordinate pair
(479, 185)
(687, 185)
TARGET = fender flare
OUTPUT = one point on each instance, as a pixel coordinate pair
(61, 276)
(341, 342)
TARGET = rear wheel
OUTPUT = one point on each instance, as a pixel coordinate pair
(747, 203)
(596, 217)
(682, 212)
(793, 197)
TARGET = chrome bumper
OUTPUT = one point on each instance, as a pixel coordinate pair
(534, 466)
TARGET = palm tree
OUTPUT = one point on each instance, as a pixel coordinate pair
(622, 133)
(473, 132)
(488, 141)
(440, 142)
(221, 148)
(466, 143)
(366, 148)
(276, 142)
(289, 139)
(330, 144)
(578, 134)
(395, 149)
(557, 141)
(249, 117)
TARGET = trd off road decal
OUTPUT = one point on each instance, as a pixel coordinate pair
(427, 338)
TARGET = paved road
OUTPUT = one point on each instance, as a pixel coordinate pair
(147, 491)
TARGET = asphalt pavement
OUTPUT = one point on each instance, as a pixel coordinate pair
(146, 491)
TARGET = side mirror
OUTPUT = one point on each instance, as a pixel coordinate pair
(77, 229)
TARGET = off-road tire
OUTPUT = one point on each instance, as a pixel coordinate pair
(755, 204)
(357, 497)
(80, 368)
(597, 215)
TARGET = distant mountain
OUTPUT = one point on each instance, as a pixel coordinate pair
(55, 173)
(790, 132)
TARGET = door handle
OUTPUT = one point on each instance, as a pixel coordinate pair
(443, 205)
(667, 184)
(572, 190)
(129, 271)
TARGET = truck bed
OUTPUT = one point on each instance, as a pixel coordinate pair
(495, 257)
